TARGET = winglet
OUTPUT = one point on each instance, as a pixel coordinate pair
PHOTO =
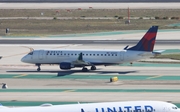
(126, 47)
(80, 57)
(147, 42)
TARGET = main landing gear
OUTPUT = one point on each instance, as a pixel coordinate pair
(39, 68)
(93, 67)
(84, 69)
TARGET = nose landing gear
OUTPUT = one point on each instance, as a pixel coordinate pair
(39, 68)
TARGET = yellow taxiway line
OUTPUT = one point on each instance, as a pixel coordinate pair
(69, 90)
(155, 77)
(22, 75)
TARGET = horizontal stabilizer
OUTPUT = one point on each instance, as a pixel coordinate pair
(159, 52)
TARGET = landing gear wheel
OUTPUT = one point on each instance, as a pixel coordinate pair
(84, 69)
(39, 68)
(93, 67)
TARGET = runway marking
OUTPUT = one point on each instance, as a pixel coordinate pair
(71, 45)
(72, 90)
(31, 49)
(15, 55)
(22, 75)
(154, 77)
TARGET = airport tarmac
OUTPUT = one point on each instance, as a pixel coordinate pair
(89, 5)
(89, 96)
(129, 35)
(140, 81)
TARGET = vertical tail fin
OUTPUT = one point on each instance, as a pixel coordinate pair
(147, 42)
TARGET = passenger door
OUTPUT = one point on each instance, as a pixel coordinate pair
(122, 55)
(41, 53)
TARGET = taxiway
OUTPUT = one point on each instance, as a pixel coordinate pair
(140, 81)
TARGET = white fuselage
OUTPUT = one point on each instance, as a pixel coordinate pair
(128, 106)
(96, 57)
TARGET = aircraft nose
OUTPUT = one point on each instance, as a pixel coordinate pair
(23, 59)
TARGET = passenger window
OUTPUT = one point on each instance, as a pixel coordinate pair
(90, 54)
(97, 54)
(93, 54)
(104, 54)
(71, 54)
(101, 54)
(86, 54)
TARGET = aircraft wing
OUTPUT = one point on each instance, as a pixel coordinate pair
(83, 63)
(80, 61)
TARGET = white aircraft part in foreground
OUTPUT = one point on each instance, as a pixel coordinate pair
(127, 106)
(70, 58)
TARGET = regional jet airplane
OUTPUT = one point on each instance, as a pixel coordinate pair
(68, 59)
(128, 106)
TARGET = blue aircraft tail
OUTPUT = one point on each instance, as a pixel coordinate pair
(147, 42)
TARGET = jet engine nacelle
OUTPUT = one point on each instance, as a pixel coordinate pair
(65, 65)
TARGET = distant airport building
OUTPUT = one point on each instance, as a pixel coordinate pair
(86, 1)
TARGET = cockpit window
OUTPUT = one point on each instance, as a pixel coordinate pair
(31, 53)
(174, 108)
